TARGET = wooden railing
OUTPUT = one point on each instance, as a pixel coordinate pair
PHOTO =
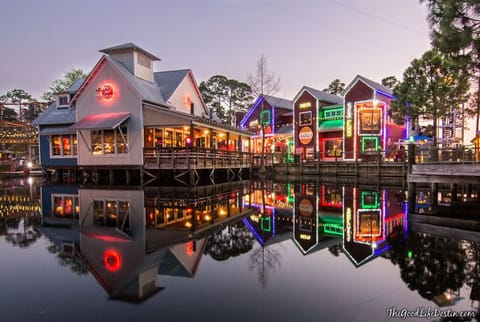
(195, 158)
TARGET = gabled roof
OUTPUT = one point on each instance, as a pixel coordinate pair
(272, 100)
(54, 116)
(279, 102)
(75, 86)
(148, 91)
(321, 96)
(126, 47)
(374, 85)
(168, 81)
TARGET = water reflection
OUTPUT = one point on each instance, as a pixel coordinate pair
(19, 211)
(127, 238)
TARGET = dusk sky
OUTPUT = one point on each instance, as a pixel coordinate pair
(305, 42)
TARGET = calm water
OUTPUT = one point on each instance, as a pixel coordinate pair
(295, 252)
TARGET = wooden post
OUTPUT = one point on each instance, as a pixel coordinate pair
(412, 196)
(434, 194)
(453, 192)
(411, 156)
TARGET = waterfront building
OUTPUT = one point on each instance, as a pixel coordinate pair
(275, 115)
(318, 124)
(126, 119)
(369, 128)
(370, 217)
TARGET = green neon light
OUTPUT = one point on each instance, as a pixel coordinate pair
(265, 117)
(370, 138)
(369, 205)
(333, 229)
(289, 194)
(266, 224)
(409, 254)
(290, 151)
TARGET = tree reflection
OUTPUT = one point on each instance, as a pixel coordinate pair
(335, 250)
(434, 266)
(265, 260)
(231, 242)
(20, 230)
(67, 260)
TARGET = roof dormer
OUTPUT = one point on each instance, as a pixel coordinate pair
(138, 61)
(63, 101)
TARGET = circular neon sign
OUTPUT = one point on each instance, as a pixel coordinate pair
(305, 135)
(106, 92)
(305, 208)
(112, 260)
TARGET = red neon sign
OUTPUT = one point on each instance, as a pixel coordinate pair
(106, 92)
(112, 260)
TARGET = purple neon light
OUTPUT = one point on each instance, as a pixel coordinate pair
(385, 94)
(249, 226)
(247, 116)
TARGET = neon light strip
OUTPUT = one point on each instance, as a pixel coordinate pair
(273, 123)
(365, 206)
(371, 110)
(250, 227)
(247, 116)
(373, 138)
(377, 91)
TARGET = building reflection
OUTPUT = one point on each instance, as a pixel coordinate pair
(370, 217)
(315, 217)
(126, 238)
(19, 211)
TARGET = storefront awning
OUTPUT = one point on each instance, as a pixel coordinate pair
(331, 125)
(57, 130)
(101, 121)
(288, 129)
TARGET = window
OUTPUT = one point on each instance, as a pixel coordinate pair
(64, 145)
(111, 213)
(370, 144)
(333, 114)
(144, 61)
(306, 118)
(65, 206)
(109, 142)
(333, 147)
(62, 101)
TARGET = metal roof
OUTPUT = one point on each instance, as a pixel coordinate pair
(53, 116)
(101, 121)
(148, 91)
(323, 96)
(376, 85)
(168, 81)
(279, 102)
(75, 86)
(287, 129)
(128, 46)
(57, 130)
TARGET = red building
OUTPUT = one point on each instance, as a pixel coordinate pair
(274, 115)
(317, 127)
(369, 128)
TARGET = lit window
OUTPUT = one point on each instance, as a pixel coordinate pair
(63, 145)
(111, 213)
(65, 206)
(107, 142)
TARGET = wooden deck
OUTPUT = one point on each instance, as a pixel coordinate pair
(447, 172)
(194, 158)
